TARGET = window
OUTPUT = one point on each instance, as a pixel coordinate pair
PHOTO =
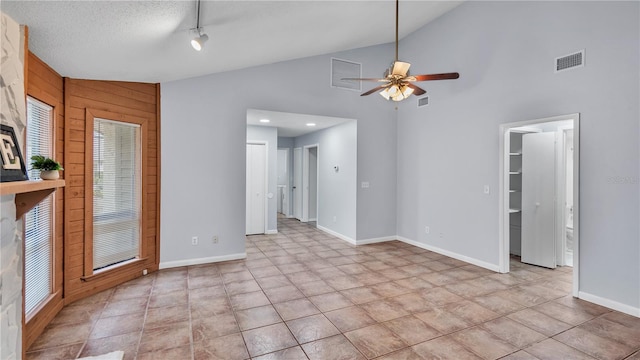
(116, 192)
(39, 221)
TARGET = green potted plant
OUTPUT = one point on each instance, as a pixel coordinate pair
(47, 166)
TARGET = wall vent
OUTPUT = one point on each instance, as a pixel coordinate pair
(570, 61)
(423, 101)
(345, 69)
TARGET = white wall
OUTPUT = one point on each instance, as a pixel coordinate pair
(270, 136)
(504, 52)
(337, 145)
(203, 148)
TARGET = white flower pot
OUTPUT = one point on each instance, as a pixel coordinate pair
(49, 174)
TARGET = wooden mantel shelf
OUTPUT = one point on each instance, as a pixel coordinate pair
(29, 193)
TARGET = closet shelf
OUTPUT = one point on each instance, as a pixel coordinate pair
(513, 211)
(515, 154)
(515, 172)
(29, 193)
(514, 191)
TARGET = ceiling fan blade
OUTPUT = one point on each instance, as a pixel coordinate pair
(416, 90)
(400, 68)
(445, 76)
(365, 79)
(373, 90)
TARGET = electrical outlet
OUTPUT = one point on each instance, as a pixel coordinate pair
(215, 239)
(335, 218)
(486, 189)
(426, 229)
(441, 235)
(194, 240)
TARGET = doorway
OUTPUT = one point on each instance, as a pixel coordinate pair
(539, 177)
(297, 183)
(310, 183)
(283, 182)
(256, 188)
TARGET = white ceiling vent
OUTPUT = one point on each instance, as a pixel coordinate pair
(423, 101)
(345, 69)
(570, 61)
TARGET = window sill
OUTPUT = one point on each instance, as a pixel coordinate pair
(115, 269)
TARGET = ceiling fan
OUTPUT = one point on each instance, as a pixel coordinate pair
(398, 84)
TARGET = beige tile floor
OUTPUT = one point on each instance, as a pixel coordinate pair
(303, 294)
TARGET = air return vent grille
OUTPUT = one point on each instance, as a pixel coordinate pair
(570, 61)
(423, 101)
(345, 69)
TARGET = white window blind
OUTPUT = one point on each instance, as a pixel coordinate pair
(39, 221)
(116, 192)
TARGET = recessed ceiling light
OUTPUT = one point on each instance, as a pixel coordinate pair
(265, 120)
(311, 124)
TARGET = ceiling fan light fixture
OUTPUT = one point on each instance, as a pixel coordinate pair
(406, 91)
(398, 84)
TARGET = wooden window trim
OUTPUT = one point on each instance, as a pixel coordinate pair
(48, 308)
(90, 116)
(116, 269)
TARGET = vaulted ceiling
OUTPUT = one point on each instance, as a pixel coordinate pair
(148, 41)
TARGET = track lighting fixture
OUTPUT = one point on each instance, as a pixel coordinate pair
(200, 39)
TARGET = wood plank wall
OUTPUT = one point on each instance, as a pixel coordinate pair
(70, 99)
(126, 99)
(46, 85)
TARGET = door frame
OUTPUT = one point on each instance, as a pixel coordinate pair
(503, 207)
(266, 181)
(305, 180)
(561, 190)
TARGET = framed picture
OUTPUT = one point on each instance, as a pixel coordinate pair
(13, 167)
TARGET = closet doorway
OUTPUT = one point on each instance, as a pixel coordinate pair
(310, 183)
(539, 177)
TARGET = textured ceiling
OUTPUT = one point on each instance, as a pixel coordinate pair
(148, 41)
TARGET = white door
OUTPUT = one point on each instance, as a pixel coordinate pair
(538, 199)
(297, 183)
(256, 185)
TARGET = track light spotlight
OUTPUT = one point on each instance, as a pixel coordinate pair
(198, 41)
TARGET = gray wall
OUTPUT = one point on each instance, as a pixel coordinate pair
(204, 194)
(504, 52)
(270, 136)
(336, 190)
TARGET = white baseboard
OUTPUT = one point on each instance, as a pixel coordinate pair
(467, 259)
(611, 304)
(313, 219)
(376, 240)
(271, 232)
(198, 261)
(338, 235)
